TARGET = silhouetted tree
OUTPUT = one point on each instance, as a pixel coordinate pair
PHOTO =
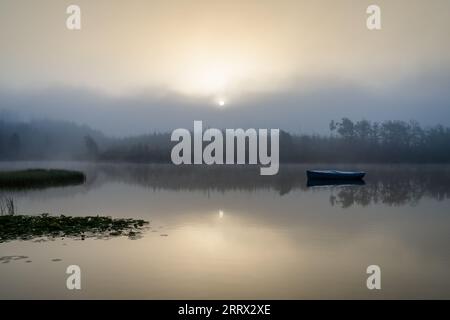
(346, 128)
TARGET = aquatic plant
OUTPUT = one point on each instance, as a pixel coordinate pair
(47, 227)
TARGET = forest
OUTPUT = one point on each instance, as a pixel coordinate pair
(347, 141)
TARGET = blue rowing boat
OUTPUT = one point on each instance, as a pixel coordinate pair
(334, 175)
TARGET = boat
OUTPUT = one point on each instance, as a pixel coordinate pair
(334, 175)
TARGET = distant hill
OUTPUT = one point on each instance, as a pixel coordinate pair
(45, 140)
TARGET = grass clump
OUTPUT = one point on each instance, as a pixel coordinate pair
(24, 227)
(39, 178)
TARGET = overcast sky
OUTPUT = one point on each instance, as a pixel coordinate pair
(143, 66)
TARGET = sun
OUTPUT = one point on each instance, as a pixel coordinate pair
(220, 102)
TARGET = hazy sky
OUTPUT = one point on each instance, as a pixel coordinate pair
(139, 66)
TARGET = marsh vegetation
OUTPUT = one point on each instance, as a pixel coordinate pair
(39, 178)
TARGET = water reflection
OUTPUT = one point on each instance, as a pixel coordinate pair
(227, 232)
(392, 185)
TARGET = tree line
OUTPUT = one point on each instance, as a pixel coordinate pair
(347, 141)
(374, 142)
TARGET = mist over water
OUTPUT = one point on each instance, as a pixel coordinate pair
(100, 89)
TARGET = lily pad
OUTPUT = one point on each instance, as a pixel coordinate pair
(46, 227)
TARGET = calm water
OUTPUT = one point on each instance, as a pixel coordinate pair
(230, 233)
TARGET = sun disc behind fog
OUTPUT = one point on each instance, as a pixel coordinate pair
(220, 102)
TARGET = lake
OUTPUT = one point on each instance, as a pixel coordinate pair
(229, 233)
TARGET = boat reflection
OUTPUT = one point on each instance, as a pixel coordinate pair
(333, 182)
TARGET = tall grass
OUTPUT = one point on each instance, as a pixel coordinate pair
(7, 205)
